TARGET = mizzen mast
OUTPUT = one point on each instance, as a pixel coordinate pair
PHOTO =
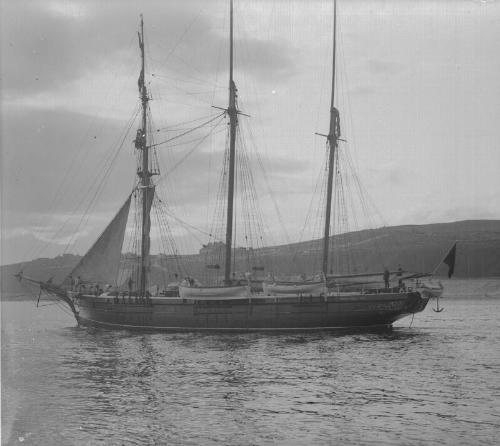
(232, 111)
(332, 141)
(143, 172)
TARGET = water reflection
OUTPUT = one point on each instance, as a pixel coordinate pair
(79, 386)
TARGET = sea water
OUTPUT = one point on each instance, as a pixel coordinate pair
(433, 380)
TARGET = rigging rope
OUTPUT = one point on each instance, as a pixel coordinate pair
(100, 184)
(187, 155)
(188, 131)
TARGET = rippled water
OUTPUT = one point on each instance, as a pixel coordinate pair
(437, 382)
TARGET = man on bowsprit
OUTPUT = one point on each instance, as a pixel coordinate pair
(386, 278)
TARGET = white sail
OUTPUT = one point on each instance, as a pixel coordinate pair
(102, 261)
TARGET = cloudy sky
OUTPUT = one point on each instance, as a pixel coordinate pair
(418, 91)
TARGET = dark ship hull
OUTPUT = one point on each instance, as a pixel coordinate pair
(258, 313)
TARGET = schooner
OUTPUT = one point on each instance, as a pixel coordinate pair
(299, 305)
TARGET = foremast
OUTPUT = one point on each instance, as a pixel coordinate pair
(232, 112)
(332, 142)
(146, 186)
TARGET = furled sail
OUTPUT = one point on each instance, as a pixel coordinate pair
(102, 261)
(147, 222)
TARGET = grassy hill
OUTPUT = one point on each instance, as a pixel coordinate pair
(415, 247)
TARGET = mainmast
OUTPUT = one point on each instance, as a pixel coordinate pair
(332, 141)
(143, 172)
(232, 111)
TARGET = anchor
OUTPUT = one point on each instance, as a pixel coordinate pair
(438, 309)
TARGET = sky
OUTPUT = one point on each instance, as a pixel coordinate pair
(417, 87)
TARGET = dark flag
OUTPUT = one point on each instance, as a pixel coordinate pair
(450, 260)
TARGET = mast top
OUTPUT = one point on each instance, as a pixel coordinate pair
(334, 130)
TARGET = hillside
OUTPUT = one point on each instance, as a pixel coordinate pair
(415, 247)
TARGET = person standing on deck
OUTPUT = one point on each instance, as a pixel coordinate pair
(400, 275)
(386, 278)
(130, 283)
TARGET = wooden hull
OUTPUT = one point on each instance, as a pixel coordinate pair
(249, 314)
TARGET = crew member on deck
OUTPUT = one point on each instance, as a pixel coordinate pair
(400, 275)
(386, 278)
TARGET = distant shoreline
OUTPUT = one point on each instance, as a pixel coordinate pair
(12, 297)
